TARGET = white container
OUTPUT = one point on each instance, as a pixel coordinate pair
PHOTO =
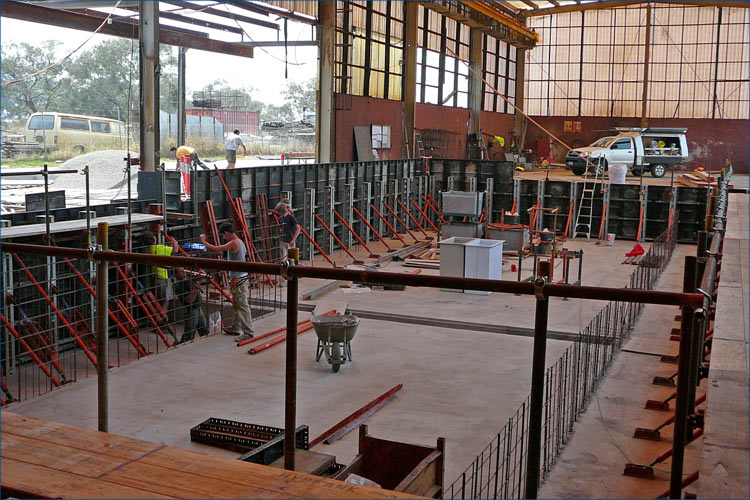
(610, 239)
(617, 172)
(484, 260)
(452, 258)
(460, 203)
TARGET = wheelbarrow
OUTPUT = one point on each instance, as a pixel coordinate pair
(335, 334)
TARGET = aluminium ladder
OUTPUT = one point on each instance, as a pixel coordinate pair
(586, 205)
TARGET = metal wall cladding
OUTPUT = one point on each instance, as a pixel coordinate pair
(247, 121)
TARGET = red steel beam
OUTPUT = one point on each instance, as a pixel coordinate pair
(278, 330)
(341, 243)
(356, 415)
(361, 242)
(434, 206)
(143, 306)
(393, 213)
(316, 246)
(282, 338)
(53, 307)
(136, 343)
(31, 352)
(406, 209)
(389, 225)
(372, 229)
(424, 214)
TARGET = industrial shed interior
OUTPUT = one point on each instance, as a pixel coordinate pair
(527, 219)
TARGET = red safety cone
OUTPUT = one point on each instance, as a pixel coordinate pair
(637, 250)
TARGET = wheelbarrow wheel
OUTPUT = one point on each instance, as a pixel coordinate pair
(335, 357)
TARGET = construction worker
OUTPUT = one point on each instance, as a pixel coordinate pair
(186, 151)
(233, 142)
(163, 285)
(242, 322)
(189, 292)
(290, 230)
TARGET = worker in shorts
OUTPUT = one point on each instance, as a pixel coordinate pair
(183, 151)
(289, 230)
(242, 322)
(233, 142)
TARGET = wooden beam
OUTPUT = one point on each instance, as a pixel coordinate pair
(64, 19)
(605, 4)
(531, 4)
(226, 14)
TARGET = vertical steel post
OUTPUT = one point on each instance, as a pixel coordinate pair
(683, 383)
(290, 406)
(148, 42)
(102, 329)
(537, 382)
(181, 95)
(364, 204)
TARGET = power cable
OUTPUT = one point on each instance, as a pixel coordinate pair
(50, 66)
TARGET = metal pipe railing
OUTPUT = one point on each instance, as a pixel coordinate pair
(540, 290)
(695, 320)
(370, 277)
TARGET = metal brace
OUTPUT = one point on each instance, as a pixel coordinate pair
(539, 288)
(705, 294)
(285, 269)
(91, 250)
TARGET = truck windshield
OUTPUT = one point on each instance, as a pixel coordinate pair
(42, 122)
(602, 143)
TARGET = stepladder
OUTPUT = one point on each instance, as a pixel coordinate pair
(585, 212)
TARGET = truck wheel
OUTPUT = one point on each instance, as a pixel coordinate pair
(658, 170)
(578, 170)
(78, 149)
(637, 171)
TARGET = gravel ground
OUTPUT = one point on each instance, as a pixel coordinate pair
(107, 171)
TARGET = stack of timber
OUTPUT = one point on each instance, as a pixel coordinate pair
(698, 178)
(427, 259)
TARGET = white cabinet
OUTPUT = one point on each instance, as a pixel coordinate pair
(483, 259)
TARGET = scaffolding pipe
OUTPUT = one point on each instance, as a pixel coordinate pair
(102, 330)
(290, 403)
(370, 277)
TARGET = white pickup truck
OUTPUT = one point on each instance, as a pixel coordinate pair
(641, 149)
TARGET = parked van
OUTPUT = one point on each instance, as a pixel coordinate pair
(80, 132)
(652, 150)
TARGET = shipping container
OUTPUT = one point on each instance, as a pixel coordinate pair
(247, 121)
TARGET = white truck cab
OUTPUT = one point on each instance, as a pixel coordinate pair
(652, 150)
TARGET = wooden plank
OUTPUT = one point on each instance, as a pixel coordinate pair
(74, 225)
(249, 474)
(58, 457)
(75, 437)
(168, 478)
(23, 480)
(319, 292)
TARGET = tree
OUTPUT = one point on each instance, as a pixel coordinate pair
(274, 113)
(300, 96)
(106, 76)
(39, 93)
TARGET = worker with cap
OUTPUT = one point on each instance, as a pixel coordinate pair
(187, 152)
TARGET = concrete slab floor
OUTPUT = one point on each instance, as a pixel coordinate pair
(601, 267)
(603, 440)
(461, 385)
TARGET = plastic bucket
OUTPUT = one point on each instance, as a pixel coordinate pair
(617, 172)
(610, 239)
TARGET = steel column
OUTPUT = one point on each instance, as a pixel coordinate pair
(181, 98)
(290, 395)
(683, 384)
(533, 460)
(409, 91)
(309, 220)
(102, 329)
(324, 113)
(148, 44)
(475, 83)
